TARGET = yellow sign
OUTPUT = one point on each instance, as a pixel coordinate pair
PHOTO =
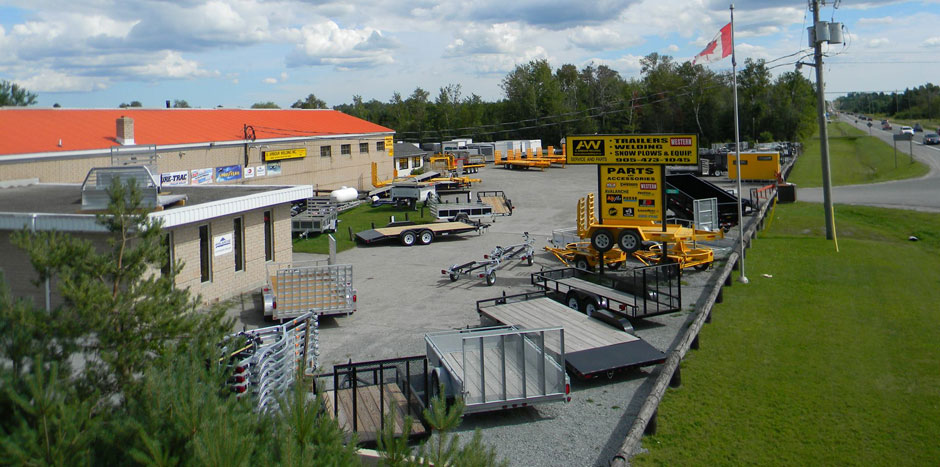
(390, 146)
(630, 192)
(633, 149)
(285, 154)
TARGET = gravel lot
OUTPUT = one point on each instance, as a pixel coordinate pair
(403, 295)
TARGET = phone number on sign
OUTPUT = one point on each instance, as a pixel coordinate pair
(654, 160)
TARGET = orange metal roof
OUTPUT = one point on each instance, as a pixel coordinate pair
(27, 130)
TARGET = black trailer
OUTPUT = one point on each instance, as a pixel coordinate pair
(615, 298)
(691, 188)
(591, 347)
(410, 233)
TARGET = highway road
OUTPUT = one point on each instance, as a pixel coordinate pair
(921, 194)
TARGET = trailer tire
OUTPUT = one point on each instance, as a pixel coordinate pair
(702, 267)
(615, 265)
(572, 301)
(581, 263)
(629, 241)
(491, 278)
(408, 238)
(453, 276)
(529, 260)
(462, 217)
(716, 172)
(590, 307)
(602, 240)
(426, 237)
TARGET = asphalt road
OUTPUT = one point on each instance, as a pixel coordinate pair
(921, 194)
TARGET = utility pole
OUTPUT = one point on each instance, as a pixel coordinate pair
(823, 131)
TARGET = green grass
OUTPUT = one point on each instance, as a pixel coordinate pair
(854, 158)
(359, 219)
(834, 360)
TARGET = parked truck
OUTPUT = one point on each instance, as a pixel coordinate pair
(295, 288)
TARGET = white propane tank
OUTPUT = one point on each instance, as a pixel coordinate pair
(344, 195)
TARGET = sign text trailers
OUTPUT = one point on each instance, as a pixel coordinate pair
(634, 149)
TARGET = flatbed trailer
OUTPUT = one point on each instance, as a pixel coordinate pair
(592, 348)
(298, 287)
(499, 367)
(511, 162)
(615, 298)
(487, 204)
(410, 234)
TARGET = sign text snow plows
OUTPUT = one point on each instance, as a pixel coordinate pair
(634, 149)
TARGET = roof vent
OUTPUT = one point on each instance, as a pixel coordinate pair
(125, 131)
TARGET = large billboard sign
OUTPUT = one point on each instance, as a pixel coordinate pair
(630, 192)
(633, 149)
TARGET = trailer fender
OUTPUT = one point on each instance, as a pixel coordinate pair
(573, 300)
(440, 379)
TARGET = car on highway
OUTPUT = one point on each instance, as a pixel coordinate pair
(931, 138)
(885, 125)
(906, 130)
(918, 128)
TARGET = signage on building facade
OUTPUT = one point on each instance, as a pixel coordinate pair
(274, 168)
(249, 172)
(200, 176)
(390, 146)
(228, 173)
(174, 178)
(285, 154)
(222, 244)
(260, 171)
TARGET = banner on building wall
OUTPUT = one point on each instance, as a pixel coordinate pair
(228, 173)
(174, 178)
(285, 154)
(249, 172)
(274, 168)
(222, 244)
(260, 171)
(200, 176)
(390, 146)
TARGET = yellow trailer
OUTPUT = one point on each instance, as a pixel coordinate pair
(582, 256)
(513, 162)
(679, 252)
(630, 235)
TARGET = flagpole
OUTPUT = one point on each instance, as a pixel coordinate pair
(737, 151)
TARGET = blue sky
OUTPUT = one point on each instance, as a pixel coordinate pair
(100, 53)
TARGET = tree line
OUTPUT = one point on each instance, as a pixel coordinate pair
(542, 103)
(920, 102)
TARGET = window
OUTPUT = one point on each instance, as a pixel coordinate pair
(416, 161)
(238, 240)
(205, 255)
(268, 236)
(345, 149)
(167, 243)
(380, 145)
(326, 151)
(403, 163)
(364, 148)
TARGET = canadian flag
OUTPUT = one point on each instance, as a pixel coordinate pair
(717, 49)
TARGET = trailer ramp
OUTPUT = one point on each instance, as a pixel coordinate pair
(592, 348)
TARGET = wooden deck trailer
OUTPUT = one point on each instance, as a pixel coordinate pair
(592, 348)
(410, 233)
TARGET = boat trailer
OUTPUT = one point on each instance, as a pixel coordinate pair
(491, 262)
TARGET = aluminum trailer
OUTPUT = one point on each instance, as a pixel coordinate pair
(487, 204)
(592, 348)
(499, 367)
(615, 298)
(295, 288)
(318, 215)
(491, 262)
(410, 233)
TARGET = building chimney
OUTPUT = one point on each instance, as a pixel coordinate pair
(125, 131)
(168, 103)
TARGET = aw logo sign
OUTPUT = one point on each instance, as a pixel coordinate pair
(586, 150)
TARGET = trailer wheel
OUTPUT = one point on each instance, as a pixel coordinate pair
(426, 237)
(602, 240)
(462, 217)
(529, 260)
(703, 267)
(629, 241)
(491, 278)
(716, 172)
(581, 263)
(590, 307)
(572, 301)
(453, 276)
(408, 238)
(614, 265)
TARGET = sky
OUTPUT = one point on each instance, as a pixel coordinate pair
(234, 53)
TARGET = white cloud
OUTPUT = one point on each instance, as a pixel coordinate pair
(171, 65)
(626, 65)
(269, 81)
(326, 43)
(601, 38)
(284, 76)
(47, 80)
(932, 42)
(878, 43)
(875, 21)
(476, 39)
(672, 48)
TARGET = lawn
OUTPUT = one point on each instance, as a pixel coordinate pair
(825, 357)
(356, 220)
(854, 157)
